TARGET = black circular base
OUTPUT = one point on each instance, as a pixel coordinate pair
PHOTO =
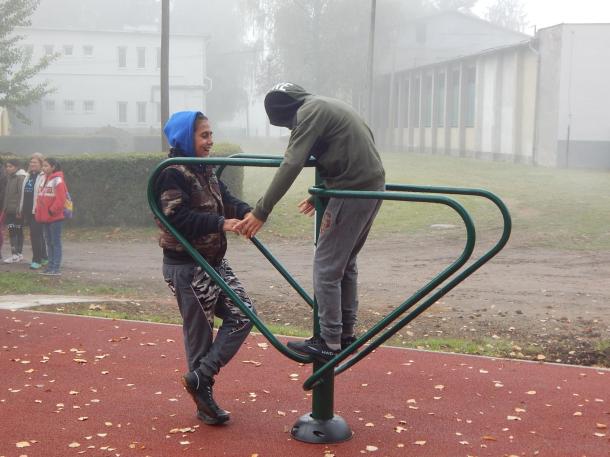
(310, 430)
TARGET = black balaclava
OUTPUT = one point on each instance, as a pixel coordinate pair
(282, 103)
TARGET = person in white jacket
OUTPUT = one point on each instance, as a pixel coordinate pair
(32, 184)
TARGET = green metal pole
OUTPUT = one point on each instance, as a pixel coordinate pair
(321, 425)
(323, 395)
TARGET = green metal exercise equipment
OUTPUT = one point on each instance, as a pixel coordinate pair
(322, 425)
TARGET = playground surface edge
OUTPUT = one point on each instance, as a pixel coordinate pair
(84, 386)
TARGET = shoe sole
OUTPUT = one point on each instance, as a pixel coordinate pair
(210, 420)
(201, 415)
(315, 355)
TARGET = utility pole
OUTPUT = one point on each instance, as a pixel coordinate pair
(369, 103)
(164, 69)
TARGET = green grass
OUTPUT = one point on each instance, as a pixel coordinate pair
(603, 346)
(549, 207)
(28, 283)
(130, 311)
(487, 346)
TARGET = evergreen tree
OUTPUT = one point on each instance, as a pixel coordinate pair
(16, 66)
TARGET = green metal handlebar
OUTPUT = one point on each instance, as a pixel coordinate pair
(393, 192)
(314, 378)
(152, 202)
(447, 272)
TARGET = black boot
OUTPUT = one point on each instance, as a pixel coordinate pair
(346, 341)
(200, 388)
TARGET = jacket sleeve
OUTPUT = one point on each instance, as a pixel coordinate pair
(57, 207)
(20, 207)
(302, 139)
(174, 197)
(234, 207)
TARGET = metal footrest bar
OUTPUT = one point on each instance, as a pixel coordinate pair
(312, 381)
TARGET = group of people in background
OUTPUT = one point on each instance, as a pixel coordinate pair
(33, 198)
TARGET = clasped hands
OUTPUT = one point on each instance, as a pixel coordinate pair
(250, 225)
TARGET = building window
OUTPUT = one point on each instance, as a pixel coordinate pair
(141, 57)
(420, 33)
(426, 106)
(48, 49)
(158, 110)
(122, 55)
(453, 100)
(87, 50)
(415, 103)
(158, 57)
(141, 111)
(69, 106)
(49, 105)
(88, 106)
(122, 111)
(404, 121)
(68, 49)
(470, 77)
(439, 101)
(396, 96)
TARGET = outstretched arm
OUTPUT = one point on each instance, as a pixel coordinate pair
(249, 226)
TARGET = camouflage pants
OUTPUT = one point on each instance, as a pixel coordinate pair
(199, 300)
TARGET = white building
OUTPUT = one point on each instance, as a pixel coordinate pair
(112, 78)
(541, 101)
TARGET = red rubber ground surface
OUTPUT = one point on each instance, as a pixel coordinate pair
(111, 388)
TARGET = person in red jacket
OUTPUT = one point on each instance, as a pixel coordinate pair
(50, 212)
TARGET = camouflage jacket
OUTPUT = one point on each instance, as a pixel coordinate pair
(196, 203)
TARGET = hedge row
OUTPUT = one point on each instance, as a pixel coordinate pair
(110, 189)
(59, 144)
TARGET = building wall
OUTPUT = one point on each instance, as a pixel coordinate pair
(583, 126)
(486, 107)
(547, 111)
(441, 37)
(90, 84)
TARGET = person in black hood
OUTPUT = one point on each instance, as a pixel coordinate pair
(346, 159)
(201, 207)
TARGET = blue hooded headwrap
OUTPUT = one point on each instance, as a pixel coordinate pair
(179, 131)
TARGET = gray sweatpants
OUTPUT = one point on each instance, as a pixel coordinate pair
(199, 300)
(345, 225)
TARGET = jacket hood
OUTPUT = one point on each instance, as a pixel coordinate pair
(56, 174)
(179, 131)
(282, 103)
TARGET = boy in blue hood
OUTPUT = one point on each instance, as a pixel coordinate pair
(201, 207)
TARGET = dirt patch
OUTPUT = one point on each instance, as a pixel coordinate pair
(538, 302)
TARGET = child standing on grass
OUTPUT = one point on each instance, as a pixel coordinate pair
(50, 212)
(2, 192)
(31, 187)
(11, 208)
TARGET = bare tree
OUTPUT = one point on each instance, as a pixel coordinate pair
(463, 6)
(508, 13)
(322, 44)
